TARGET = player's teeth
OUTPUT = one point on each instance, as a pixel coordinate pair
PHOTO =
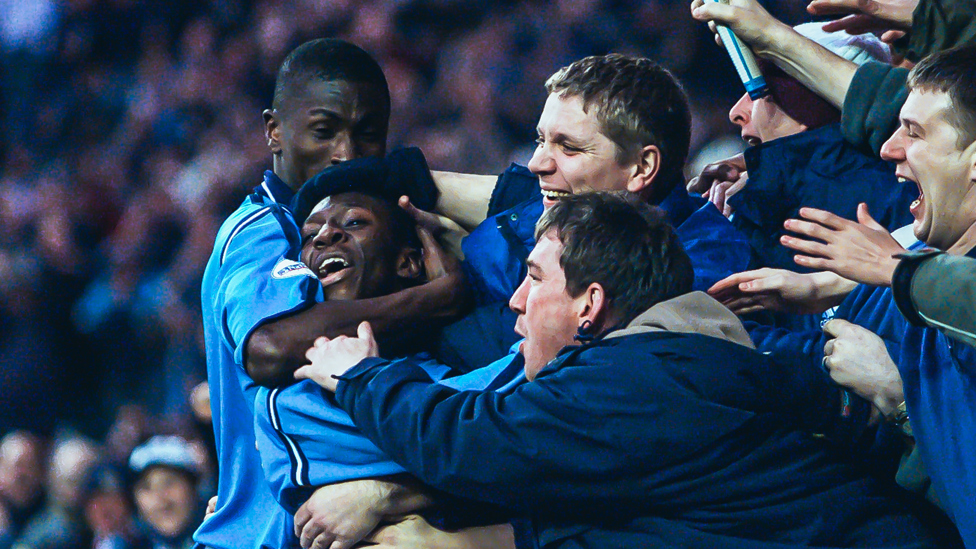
(555, 194)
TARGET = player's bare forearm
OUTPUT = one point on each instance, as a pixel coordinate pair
(464, 197)
(277, 348)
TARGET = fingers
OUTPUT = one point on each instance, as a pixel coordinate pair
(411, 210)
(737, 280)
(824, 218)
(716, 195)
(365, 332)
(837, 327)
(829, 347)
(831, 7)
(707, 11)
(864, 218)
(854, 24)
(889, 37)
(731, 282)
(301, 517)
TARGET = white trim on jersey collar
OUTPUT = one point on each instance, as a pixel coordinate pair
(267, 189)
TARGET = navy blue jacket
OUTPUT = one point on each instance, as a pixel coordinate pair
(496, 250)
(815, 169)
(645, 440)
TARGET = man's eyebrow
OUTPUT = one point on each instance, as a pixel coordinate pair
(323, 112)
(911, 123)
(532, 265)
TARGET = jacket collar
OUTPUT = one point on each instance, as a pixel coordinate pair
(691, 313)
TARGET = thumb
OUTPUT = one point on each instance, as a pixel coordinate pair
(864, 218)
(303, 372)
(837, 327)
(365, 331)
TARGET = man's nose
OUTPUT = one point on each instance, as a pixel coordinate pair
(329, 235)
(541, 162)
(517, 303)
(739, 114)
(344, 148)
(893, 149)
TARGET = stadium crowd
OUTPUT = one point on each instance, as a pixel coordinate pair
(134, 135)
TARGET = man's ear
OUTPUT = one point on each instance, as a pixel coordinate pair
(593, 306)
(645, 170)
(410, 264)
(272, 130)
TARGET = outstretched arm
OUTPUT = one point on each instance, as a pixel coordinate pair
(817, 68)
(781, 290)
(890, 18)
(464, 198)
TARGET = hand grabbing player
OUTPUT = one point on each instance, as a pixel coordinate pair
(331, 358)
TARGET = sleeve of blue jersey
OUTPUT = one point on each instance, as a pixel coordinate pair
(305, 440)
(260, 278)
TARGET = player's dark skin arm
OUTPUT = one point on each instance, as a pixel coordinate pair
(275, 349)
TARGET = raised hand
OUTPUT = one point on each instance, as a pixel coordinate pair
(887, 16)
(861, 251)
(447, 232)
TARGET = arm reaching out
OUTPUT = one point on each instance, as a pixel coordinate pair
(781, 290)
(863, 251)
(817, 68)
(891, 18)
(720, 180)
(277, 347)
(464, 197)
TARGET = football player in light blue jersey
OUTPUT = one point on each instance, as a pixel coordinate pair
(331, 104)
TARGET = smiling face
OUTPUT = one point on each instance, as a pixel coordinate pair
(762, 120)
(925, 149)
(574, 155)
(348, 243)
(548, 317)
(319, 123)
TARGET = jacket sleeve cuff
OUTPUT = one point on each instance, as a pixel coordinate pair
(901, 283)
(872, 104)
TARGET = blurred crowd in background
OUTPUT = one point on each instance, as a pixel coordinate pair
(132, 128)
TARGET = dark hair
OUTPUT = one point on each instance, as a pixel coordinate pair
(953, 72)
(330, 59)
(639, 103)
(622, 243)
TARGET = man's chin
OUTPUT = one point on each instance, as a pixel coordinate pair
(341, 292)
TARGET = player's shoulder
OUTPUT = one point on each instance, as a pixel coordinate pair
(258, 219)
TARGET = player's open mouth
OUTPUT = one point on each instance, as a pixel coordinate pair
(331, 269)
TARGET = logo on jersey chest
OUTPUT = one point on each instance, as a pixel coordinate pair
(287, 268)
